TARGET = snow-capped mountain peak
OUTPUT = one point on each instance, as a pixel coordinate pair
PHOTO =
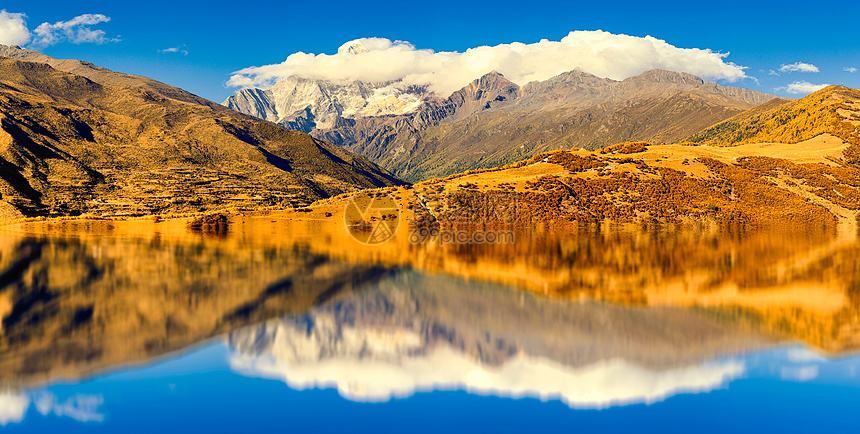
(352, 47)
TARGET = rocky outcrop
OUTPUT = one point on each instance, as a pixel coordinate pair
(257, 102)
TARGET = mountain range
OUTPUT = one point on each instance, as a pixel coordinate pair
(80, 139)
(492, 121)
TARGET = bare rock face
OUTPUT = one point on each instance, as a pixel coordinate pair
(490, 91)
(316, 104)
(257, 102)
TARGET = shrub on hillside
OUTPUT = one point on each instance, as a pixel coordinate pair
(626, 148)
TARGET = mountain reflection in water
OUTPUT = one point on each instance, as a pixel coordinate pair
(412, 332)
(593, 317)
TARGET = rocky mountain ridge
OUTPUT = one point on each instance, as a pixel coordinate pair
(493, 121)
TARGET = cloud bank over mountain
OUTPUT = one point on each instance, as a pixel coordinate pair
(13, 29)
(604, 54)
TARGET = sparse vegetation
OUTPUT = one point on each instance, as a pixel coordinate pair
(573, 162)
(836, 184)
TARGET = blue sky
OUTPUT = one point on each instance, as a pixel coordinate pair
(223, 37)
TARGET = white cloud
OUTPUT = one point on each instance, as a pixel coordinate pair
(175, 50)
(44, 402)
(77, 30)
(803, 355)
(601, 53)
(83, 408)
(798, 67)
(801, 87)
(801, 374)
(13, 29)
(849, 69)
(13, 408)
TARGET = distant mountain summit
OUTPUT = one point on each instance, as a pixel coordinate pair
(492, 121)
(354, 47)
(309, 103)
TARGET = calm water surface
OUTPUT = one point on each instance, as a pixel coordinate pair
(287, 327)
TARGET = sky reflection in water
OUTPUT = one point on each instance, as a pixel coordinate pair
(790, 389)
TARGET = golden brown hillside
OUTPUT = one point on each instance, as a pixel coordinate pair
(789, 163)
(832, 110)
(70, 146)
(105, 76)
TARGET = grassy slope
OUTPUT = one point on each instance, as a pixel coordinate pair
(791, 122)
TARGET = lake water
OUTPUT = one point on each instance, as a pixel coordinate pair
(292, 326)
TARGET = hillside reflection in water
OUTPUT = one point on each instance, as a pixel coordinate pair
(594, 318)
